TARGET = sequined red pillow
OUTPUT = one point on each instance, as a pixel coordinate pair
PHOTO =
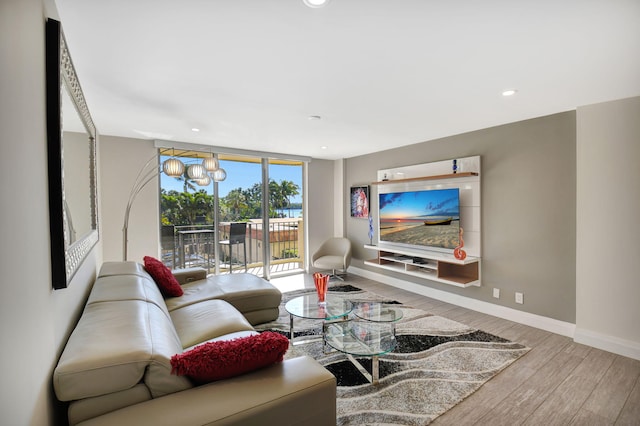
(166, 282)
(227, 358)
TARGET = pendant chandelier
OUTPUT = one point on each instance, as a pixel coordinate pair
(202, 174)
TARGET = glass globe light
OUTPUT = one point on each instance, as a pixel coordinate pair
(205, 181)
(196, 171)
(219, 175)
(173, 167)
(210, 164)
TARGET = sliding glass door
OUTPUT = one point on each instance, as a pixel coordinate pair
(251, 221)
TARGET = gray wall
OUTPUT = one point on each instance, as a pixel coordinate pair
(528, 210)
(321, 195)
(608, 287)
(35, 320)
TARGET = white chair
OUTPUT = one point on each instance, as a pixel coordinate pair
(333, 254)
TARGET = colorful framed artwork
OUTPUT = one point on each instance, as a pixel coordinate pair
(360, 201)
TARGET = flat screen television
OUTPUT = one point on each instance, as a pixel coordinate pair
(423, 219)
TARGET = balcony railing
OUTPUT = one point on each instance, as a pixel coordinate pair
(188, 246)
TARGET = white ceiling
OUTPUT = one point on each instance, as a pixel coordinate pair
(380, 73)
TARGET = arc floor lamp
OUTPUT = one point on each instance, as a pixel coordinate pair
(202, 174)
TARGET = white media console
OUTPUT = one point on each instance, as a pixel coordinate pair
(434, 265)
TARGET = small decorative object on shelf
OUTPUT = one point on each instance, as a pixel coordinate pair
(458, 253)
(371, 230)
(322, 283)
(455, 166)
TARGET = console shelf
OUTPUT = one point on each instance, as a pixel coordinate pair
(434, 266)
(436, 177)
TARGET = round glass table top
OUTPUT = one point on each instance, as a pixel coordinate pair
(361, 338)
(307, 306)
(377, 312)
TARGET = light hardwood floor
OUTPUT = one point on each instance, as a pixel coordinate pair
(558, 382)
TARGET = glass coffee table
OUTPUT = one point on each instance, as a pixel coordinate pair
(362, 339)
(307, 306)
(371, 333)
(378, 312)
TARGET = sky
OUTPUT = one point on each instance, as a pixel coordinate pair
(417, 204)
(241, 175)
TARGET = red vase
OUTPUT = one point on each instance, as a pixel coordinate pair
(458, 253)
(321, 282)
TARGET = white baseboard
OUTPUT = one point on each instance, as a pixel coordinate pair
(586, 337)
(538, 321)
(607, 343)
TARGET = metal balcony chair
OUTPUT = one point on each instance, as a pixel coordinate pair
(237, 235)
(333, 254)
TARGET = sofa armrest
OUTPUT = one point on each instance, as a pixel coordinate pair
(189, 274)
(296, 391)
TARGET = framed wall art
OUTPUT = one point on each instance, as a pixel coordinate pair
(360, 201)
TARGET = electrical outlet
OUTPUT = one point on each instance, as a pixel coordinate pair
(496, 293)
(519, 298)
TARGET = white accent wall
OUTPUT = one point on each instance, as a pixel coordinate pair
(121, 160)
(35, 320)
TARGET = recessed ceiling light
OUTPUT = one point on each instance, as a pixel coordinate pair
(509, 92)
(314, 117)
(315, 3)
(195, 129)
(323, 147)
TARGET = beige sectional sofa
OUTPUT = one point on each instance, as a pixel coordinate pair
(115, 368)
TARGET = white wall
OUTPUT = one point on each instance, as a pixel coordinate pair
(121, 160)
(35, 320)
(608, 227)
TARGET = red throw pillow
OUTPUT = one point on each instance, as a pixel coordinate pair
(167, 283)
(227, 358)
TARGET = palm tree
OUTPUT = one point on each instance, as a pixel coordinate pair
(276, 198)
(184, 178)
(236, 200)
(288, 189)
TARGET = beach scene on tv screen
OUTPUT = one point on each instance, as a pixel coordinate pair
(428, 218)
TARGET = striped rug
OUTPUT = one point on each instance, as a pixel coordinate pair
(437, 363)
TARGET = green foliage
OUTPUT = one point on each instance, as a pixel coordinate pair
(289, 253)
(184, 208)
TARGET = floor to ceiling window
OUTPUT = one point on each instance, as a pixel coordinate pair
(250, 232)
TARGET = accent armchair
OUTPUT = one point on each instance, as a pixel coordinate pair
(333, 254)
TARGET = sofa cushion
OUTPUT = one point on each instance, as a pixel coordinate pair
(246, 292)
(88, 408)
(227, 358)
(194, 292)
(207, 320)
(167, 283)
(123, 268)
(114, 346)
(126, 287)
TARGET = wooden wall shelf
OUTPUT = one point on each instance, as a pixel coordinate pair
(448, 176)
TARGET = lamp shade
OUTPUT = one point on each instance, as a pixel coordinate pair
(173, 167)
(206, 180)
(219, 175)
(210, 164)
(196, 171)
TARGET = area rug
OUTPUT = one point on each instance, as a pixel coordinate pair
(437, 364)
